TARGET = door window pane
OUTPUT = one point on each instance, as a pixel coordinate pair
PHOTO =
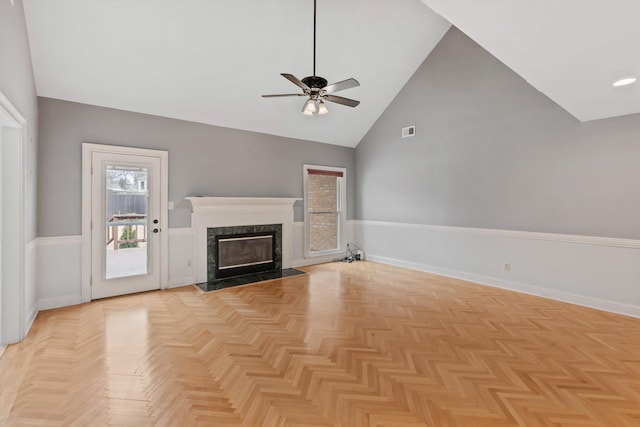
(126, 198)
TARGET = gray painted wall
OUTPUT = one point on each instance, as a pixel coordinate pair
(203, 160)
(491, 151)
(17, 84)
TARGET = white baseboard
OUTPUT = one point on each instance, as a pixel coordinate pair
(57, 302)
(599, 304)
(31, 288)
(31, 317)
(596, 272)
(315, 260)
(180, 281)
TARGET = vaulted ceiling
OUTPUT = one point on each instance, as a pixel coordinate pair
(570, 50)
(210, 61)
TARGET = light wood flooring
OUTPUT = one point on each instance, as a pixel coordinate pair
(347, 345)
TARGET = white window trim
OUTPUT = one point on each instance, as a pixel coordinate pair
(342, 217)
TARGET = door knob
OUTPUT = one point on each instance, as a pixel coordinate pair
(155, 230)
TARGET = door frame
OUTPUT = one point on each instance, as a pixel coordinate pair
(15, 120)
(88, 149)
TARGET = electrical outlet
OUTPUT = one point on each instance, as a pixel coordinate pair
(189, 263)
(507, 266)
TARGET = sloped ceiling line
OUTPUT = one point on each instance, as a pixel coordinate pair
(209, 62)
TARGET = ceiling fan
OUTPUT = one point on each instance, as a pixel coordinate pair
(316, 88)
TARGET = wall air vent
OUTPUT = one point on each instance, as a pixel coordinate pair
(409, 131)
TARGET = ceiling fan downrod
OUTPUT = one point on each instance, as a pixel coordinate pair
(314, 81)
(314, 38)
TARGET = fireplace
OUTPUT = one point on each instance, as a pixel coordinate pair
(239, 250)
(211, 212)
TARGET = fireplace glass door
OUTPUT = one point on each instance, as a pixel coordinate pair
(243, 254)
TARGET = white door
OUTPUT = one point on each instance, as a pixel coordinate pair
(125, 224)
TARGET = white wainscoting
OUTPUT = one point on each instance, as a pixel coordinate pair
(57, 265)
(181, 271)
(57, 271)
(297, 249)
(597, 272)
(31, 289)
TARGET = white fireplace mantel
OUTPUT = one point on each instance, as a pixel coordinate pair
(209, 212)
(203, 202)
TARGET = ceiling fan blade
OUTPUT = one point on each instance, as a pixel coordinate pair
(283, 94)
(296, 81)
(344, 84)
(340, 100)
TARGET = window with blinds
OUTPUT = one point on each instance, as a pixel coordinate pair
(324, 209)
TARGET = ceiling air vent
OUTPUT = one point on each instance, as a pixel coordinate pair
(409, 131)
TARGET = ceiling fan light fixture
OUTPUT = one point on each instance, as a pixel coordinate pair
(309, 107)
(322, 109)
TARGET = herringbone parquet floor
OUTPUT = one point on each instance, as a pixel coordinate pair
(347, 345)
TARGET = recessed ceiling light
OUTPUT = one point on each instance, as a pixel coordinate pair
(624, 82)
